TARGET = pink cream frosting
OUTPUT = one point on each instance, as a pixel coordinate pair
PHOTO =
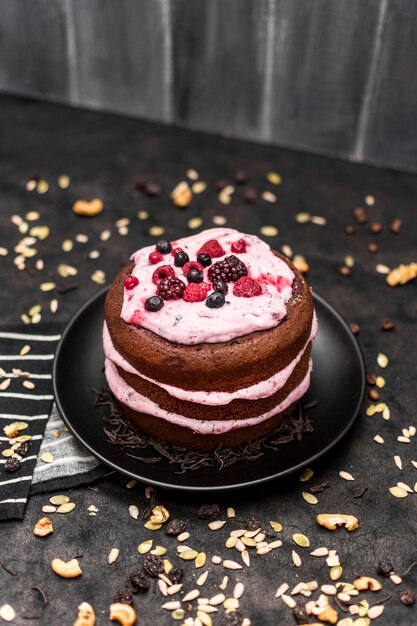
(193, 322)
(128, 396)
(262, 389)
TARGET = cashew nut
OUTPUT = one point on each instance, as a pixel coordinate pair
(66, 570)
(332, 520)
(363, 583)
(86, 615)
(402, 274)
(88, 207)
(182, 195)
(123, 613)
(328, 614)
(43, 527)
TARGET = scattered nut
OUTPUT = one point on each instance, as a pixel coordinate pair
(402, 274)
(7, 613)
(43, 527)
(123, 613)
(159, 515)
(365, 582)
(332, 520)
(89, 208)
(86, 615)
(328, 614)
(182, 195)
(71, 569)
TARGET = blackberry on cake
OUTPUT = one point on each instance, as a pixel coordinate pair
(216, 362)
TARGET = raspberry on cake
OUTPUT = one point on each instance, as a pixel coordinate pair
(211, 346)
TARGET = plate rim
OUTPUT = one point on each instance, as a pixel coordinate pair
(225, 487)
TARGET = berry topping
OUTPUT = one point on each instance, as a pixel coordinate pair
(229, 270)
(176, 250)
(204, 259)
(12, 464)
(196, 292)
(130, 282)
(220, 286)
(215, 300)
(246, 287)
(125, 596)
(195, 276)
(181, 258)
(209, 511)
(171, 288)
(175, 527)
(154, 303)
(213, 248)
(164, 271)
(163, 246)
(190, 265)
(136, 318)
(175, 574)
(239, 246)
(155, 257)
(153, 565)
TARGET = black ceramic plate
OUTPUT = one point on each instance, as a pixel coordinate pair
(337, 383)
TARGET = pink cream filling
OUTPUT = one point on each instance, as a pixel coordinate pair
(128, 396)
(193, 322)
(262, 389)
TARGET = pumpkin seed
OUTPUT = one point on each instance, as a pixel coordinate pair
(276, 526)
(249, 541)
(167, 566)
(303, 218)
(199, 187)
(188, 555)
(231, 542)
(200, 559)
(269, 231)
(40, 232)
(231, 603)
(8, 452)
(336, 572)
(274, 178)
(159, 551)
(58, 500)
(67, 245)
(301, 540)
(306, 475)
(382, 360)
(310, 498)
(362, 621)
(64, 181)
(398, 492)
(156, 231)
(346, 621)
(204, 618)
(66, 508)
(194, 222)
(145, 546)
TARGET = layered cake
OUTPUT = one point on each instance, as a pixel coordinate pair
(207, 339)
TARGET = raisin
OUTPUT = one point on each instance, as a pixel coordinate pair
(175, 527)
(209, 511)
(153, 565)
(408, 597)
(384, 568)
(140, 581)
(175, 574)
(300, 614)
(23, 449)
(252, 523)
(125, 596)
(234, 618)
(12, 465)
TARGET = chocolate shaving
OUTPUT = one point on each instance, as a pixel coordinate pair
(41, 591)
(151, 504)
(388, 597)
(6, 569)
(120, 431)
(65, 288)
(408, 570)
(359, 495)
(320, 488)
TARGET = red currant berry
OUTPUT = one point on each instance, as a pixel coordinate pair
(130, 282)
(155, 257)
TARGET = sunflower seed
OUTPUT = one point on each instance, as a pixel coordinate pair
(238, 590)
(183, 536)
(403, 439)
(320, 552)
(398, 462)
(216, 559)
(329, 590)
(194, 222)
(378, 439)
(113, 555)
(230, 512)
(405, 487)
(172, 606)
(48, 509)
(133, 511)
(275, 544)
(259, 537)
(219, 220)
(192, 174)
(216, 525)
(318, 220)
(281, 590)
(296, 558)
(191, 595)
(163, 587)
(346, 475)
(5, 384)
(290, 602)
(246, 558)
(217, 599)
(227, 564)
(199, 187)
(238, 533)
(397, 580)
(205, 619)
(98, 277)
(105, 235)
(382, 360)
(382, 269)
(64, 181)
(375, 611)
(263, 550)
(172, 589)
(202, 579)
(268, 196)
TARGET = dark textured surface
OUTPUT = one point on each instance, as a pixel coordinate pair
(331, 77)
(103, 154)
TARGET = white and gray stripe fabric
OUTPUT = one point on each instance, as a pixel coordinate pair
(17, 403)
(70, 457)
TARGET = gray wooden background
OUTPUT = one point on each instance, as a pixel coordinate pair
(331, 76)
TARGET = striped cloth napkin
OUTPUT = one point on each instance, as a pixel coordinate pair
(26, 396)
